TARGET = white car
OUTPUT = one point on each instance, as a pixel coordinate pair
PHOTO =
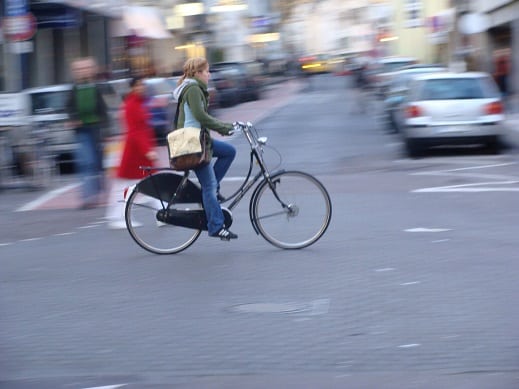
(397, 89)
(381, 70)
(452, 109)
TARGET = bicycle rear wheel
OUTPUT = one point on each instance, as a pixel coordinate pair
(305, 216)
(151, 234)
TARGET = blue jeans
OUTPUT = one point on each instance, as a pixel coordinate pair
(209, 177)
(89, 162)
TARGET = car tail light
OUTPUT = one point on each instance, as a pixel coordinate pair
(413, 111)
(494, 108)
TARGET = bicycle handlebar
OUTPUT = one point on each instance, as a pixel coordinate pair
(240, 126)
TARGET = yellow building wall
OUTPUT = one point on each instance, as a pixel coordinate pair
(415, 41)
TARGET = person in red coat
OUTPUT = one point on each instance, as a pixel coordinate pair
(139, 150)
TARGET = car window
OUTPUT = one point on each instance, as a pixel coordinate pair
(459, 88)
(49, 102)
(392, 66)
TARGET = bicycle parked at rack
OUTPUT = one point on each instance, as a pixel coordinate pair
(291, 209)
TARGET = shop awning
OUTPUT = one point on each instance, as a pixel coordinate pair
(145, 22)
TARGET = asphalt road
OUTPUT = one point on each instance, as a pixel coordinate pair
(413, 285)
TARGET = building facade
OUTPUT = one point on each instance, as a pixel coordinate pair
(155, 37)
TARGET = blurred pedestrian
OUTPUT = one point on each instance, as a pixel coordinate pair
(502, 69)
(192, 96)
(139, 149)
(360, 86)
(88, 117)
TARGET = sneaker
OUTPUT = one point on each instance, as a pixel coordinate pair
(224, 234)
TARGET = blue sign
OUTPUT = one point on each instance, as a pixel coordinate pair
(15, 7)
(52, 16)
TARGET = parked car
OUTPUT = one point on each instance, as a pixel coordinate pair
(48, 112)
(315, 64)
(452, 109)
(237, 82)
(162, 106)
(397, 89)
(381, 70)
(224, 81)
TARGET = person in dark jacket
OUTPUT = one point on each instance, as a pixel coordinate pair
(192, 97)
(87, 115)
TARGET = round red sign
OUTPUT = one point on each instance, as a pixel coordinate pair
(19, 28)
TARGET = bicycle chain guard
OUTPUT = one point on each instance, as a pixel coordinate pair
(190, 218)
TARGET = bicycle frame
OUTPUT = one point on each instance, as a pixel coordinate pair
(185, 192)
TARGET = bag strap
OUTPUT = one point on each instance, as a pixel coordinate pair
(175, 121)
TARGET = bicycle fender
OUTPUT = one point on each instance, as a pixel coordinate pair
(254, 196)
(163, 185)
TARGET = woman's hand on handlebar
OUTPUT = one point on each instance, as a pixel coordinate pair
(237, 126)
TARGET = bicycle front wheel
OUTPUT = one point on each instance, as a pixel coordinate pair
(293, 214)
(151, 234)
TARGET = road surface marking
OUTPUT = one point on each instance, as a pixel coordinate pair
(31, 239)
(46, 197)
(410, 283)
(385, 269)
(409, 345)
(500, 183)
(107, 386)
(422, 229)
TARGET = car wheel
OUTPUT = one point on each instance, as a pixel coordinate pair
(414, 148)
(494, 145)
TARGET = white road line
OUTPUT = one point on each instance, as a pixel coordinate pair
(31, 239)
(410, 345)
(88, 226)
(468, 168)
(46, 197)
(107, 386)
(422, 229)
(385, 269)
(410, 283)
(486, 186)
(468, 188)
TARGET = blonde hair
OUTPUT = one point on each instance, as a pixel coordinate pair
(193, 66)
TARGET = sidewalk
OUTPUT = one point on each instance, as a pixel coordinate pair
(66, 196)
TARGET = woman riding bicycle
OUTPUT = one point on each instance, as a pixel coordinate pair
(192, 97)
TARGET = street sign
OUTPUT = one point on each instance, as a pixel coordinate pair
(21, 47)
(20, 27)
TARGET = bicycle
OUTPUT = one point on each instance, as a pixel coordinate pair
(290, 209)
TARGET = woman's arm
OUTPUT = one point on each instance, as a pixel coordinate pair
(195, 98)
